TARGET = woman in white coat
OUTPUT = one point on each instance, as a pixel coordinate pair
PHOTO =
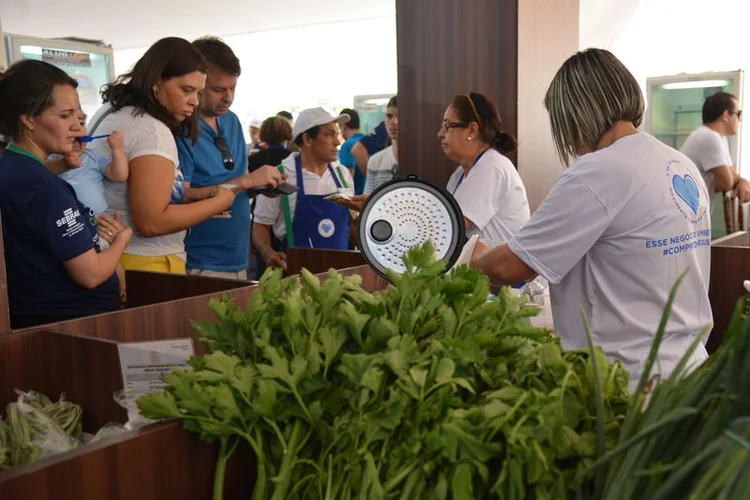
(486, 185)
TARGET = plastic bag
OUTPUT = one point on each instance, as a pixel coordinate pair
(68, 415)
(128, 401)
(106, 432)
(34, 434)
(4, 445)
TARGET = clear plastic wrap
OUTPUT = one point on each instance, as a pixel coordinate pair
(33, 433)
(128, 400)
(4, 445)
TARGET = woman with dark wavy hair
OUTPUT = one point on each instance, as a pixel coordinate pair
(151, 104)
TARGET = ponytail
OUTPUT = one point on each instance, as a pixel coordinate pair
(505, 143)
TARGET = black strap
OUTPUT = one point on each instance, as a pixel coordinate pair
(100, 120)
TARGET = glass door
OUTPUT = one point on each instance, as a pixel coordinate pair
(371, 109)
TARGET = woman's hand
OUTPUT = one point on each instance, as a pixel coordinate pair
(356, 202)
(110, 228)
(479, 250)
(264, 176)
(226, 196)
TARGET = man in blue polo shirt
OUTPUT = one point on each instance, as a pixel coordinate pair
(218, 247)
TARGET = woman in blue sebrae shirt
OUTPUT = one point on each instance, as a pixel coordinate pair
(54, 266)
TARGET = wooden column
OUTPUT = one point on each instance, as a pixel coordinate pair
(449, 47)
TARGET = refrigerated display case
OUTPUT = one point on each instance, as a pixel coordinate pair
(90, 62)
(371, 109)
(675, 104)
(674, 110)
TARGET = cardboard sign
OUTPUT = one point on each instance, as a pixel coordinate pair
(144, 364)
(66, 57)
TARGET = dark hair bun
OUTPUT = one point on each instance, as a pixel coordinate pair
(505, 143)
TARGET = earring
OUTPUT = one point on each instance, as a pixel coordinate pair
(470, 138)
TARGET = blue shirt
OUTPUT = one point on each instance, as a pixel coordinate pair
(222, 242)
(44, 225)
(347, 160)
(376, 140)
(88, 180)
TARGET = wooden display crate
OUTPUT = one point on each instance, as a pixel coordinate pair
(730, 266)
(173, 319)
(319, 261)
(155, 463)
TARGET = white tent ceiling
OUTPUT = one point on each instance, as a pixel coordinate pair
(137, 23)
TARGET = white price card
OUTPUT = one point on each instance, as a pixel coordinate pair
(144, 364)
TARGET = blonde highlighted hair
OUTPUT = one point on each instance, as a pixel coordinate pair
(591, 91)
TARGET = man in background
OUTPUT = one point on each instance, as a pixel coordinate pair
(708, 148)
(218, 247)
(350, 133)
(367, 146)
(287, 115)
(291, 146)
(254, 129)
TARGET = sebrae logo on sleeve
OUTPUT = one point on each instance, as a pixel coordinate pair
(70, 222)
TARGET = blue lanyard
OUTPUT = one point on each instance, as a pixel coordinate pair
(461, 179)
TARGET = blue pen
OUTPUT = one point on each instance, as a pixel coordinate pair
(88, 138)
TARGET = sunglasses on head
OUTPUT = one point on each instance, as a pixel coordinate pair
(226, 155)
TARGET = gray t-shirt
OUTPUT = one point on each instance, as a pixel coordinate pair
(381, 168)
(144, 135)
(614, 234)
(708, 150)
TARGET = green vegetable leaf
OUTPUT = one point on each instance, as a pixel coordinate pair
(419, 375)
(445, 370)
(461, 482)
(332, 341)
(158, 405)
(264, 402)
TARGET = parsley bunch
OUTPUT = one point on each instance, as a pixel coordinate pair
(424, 390)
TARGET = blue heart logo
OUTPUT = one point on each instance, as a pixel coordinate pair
(687, 189)
(326, 228)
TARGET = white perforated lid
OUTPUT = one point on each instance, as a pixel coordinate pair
(404, 213)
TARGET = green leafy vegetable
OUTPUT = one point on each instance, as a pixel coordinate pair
(422, 390)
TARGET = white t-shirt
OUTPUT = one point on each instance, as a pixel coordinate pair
(492, 197)
(144, 135)
(614, 234)
(708, 150)
(268, 210)
(381, 168)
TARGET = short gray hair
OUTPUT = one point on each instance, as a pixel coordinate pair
(590, 92)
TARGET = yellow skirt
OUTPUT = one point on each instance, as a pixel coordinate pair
(161, 264)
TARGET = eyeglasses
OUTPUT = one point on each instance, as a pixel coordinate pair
(738, 113)
(449, 125)
(226, 155)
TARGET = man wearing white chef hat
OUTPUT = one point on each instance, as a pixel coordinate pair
(305, 218)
